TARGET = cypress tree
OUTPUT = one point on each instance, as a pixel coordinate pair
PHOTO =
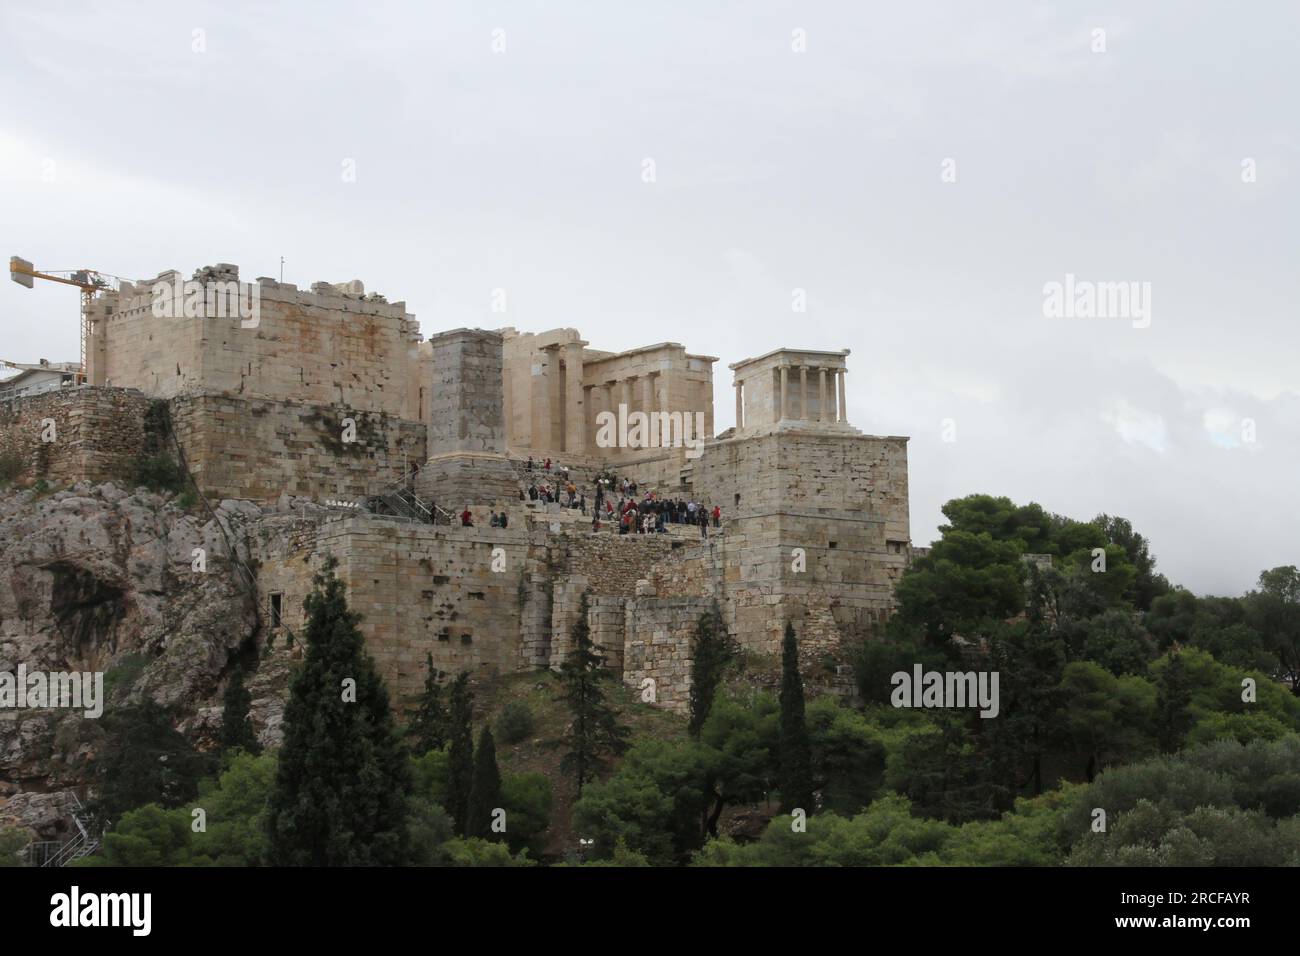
(485, 790)
(595, 730)
(428, 728)
(713, 650)
(795, 748)
(342, 785)
(460, 761)
(236, 728)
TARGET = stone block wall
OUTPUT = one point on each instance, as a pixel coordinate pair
(99, 433)
(322, 346)
(422, 589)
(260, 449)
(659, 633)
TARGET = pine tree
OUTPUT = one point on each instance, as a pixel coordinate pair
(485, 791)
(460, 761)
(1173, 704)
(595, 730)
(428, 728)
(712, 652)
(795, 747)
(236, 728)
(343, 782)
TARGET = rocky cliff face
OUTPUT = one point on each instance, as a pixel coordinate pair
(97, 579)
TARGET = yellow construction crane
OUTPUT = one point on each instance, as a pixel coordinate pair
(90, 282)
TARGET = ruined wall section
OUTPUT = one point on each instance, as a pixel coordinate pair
(99, 433)
(610, 565)
(659, 636)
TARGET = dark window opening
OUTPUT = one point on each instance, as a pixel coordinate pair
(277, 604)
(466, 639)
(737, 499)
(835, 544)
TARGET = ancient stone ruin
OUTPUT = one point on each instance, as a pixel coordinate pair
(356, 440)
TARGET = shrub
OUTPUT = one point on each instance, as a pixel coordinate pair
(157, 473)
(515, 722)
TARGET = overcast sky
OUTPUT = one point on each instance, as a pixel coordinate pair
(794, 147)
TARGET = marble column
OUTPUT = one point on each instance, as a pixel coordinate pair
(821, 394)
(740, 407)
(843, 402)
(803, 393)
(575, 419)
(785, 393)
(552, 438)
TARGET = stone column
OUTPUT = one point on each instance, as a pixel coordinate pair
(843, 402)
(821, 395)
(648, 406)
(575, 419)
(552, 439)
(803, 393)
(740, 407)
(785, 393)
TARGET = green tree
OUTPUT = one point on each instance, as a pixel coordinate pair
(595, 731)
(1173, 703)
(1274, 611)
(527, 800)
(342, 784)
(144, 760)
(795, 748)
(428, 728)
(1148, 584)
(460, 757)
(236, 728)
(712, 651)
(12, 844)
(485, 789)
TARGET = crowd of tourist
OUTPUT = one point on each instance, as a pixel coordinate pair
(631, 513)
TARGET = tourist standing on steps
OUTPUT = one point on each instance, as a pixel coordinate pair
(467, 518)
(717, 517)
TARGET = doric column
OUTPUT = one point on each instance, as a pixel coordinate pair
(803, 393)
(648, 406)
(575, 419)
(740, 407)
(551, 439)
(785, 393)
(821, 394)
(843, 401)
(627, 392)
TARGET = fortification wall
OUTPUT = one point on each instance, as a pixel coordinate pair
(317, 347)
(260, 448)
(99, 433)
